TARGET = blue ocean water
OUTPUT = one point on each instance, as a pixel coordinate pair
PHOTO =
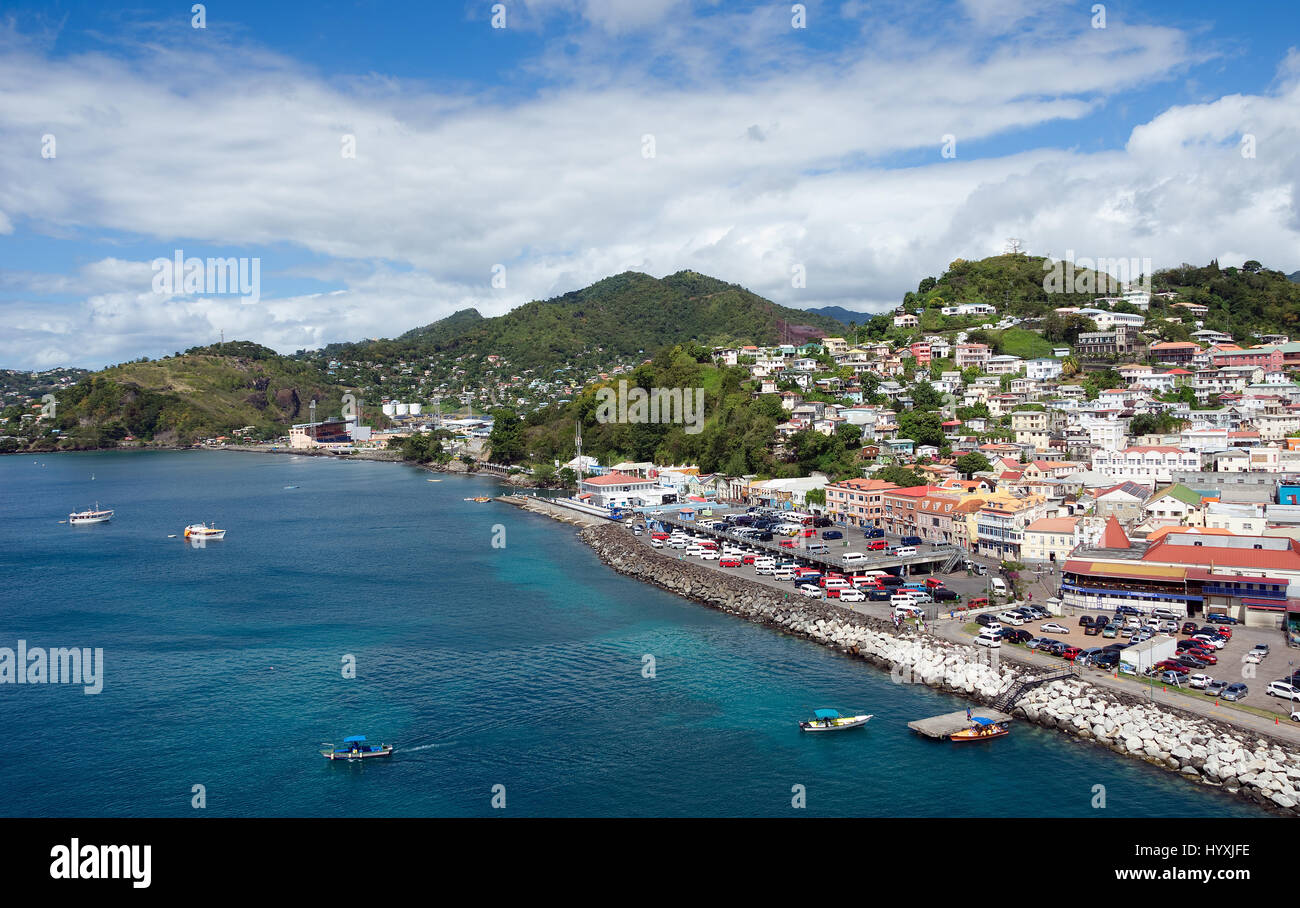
(518, 667)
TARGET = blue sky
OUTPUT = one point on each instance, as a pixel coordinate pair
(525, 148)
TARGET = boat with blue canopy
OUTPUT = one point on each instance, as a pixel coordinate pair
(980, 729)
(355, 748)
(831, 720)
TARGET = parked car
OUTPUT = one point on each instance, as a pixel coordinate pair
(1261, 648)
(989, 639)
(1198, 681)
(1214, 688)
(985, 620)
(944, 595)
(1110, 631)
(832, 534)
(1234, 692)
(1070, 653)
(731, 561)
(1169, 627)
(1091, 630)
(1105, 660)
(1220, 619)
(1189, 627)
(1216, 642)
(879, 595)
(1015, 635)
(1170, 678)
(1283, 689)
(1038, 642)
(909, 540)
(1192, 661)
(1085, 621)
(1055, 647)
(1052, 627)
(1011, 618)
(812, 591)
(979, 602)
(875, 545)
(874, 533)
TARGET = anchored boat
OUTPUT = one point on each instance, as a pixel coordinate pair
(831, 720)
(90, 515)
(355, 748)
(981, 729)
(204, 532)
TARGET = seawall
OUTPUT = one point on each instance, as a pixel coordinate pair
(1261, 770)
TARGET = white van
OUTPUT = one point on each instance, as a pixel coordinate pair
(908, 611)
(988, 638)
(783, 573)
(851, 558)
(901, 601)
(999, 586)
(904, 551)
(817, 548)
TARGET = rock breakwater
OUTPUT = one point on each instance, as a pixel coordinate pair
(1264, 771)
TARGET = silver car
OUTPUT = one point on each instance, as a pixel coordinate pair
(1214, 688)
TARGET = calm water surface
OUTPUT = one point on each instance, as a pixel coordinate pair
(519, 667)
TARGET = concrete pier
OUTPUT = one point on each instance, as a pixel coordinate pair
(945, 725)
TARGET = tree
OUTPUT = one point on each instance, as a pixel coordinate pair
(925, 397)
(815, 496)
(972, 463)
(506, 439)
(925, 428)
(900, 476)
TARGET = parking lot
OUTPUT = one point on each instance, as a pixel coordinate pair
(967, 585)
(1230, 667)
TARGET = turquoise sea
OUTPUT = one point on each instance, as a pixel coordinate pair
(519, 666)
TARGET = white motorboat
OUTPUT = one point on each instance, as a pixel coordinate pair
(204, 532)
(90, 515)
(831, 720)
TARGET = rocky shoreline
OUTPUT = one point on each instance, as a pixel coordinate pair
(1263, 771)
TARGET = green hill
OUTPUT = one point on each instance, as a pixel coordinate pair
(619, 319)
(1244, 302)
(204, 392)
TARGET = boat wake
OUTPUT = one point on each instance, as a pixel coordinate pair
(409, 750)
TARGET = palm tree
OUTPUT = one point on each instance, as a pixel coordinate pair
(1070, 366)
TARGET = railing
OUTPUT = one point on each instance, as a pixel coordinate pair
(1006, 700)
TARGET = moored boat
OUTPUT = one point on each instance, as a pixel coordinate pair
(831, 720)
(981, 729)
(204, 532)
(90, 515)
(355, 748)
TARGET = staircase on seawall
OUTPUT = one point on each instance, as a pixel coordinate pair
(1006, 700)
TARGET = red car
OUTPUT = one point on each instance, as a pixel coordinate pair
(748, 559)
(787, 543)
(660, 536)
(1071, 652)
(1169, 665)
(875, 545)
(933, 583)
(1224, 632)
(729, 562)
(1205, 654)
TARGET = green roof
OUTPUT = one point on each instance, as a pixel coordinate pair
(1180, 492)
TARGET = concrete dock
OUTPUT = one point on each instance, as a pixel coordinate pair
(945, 725)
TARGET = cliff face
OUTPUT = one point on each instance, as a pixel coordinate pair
(1266, 772)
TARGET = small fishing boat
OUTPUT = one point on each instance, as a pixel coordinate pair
(831, 720)
(291, 487)
(204, 532)
(355, 748)
(981, 729)
(480, 498)
(90, 515)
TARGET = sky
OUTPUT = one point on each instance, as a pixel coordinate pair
(384, 164)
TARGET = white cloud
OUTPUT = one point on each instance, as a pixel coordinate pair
(240, 148)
